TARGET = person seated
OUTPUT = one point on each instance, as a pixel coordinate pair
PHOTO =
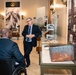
(9, 49)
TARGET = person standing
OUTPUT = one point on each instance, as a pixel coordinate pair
(30, 34)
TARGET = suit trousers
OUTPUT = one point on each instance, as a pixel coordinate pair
(27, 50)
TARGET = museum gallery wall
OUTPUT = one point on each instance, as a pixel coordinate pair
(12, 15)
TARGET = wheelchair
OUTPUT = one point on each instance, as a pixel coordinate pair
(7, 68)
(19, 71)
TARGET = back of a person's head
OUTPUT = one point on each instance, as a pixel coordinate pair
(6, 33)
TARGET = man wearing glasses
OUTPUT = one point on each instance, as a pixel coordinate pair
(30, 33)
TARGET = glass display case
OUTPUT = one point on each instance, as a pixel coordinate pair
(52, 28)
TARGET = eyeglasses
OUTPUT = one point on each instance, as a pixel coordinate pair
(28, 21)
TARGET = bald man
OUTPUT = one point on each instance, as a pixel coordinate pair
(9, 49)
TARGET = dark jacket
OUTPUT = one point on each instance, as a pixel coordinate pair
(35, 30)
(9, 49)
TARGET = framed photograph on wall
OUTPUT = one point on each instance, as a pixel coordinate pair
(12, 15)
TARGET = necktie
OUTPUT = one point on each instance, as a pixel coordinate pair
(29, 29)
(28, 39)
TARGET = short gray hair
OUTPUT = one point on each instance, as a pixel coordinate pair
(29, 18)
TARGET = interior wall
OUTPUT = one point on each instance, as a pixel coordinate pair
(30, 7)
(1, 11)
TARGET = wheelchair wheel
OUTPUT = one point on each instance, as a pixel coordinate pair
(20, 71)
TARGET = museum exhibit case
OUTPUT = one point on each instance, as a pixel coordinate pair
(46, 61)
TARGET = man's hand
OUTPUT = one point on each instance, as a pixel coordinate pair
(30, 36)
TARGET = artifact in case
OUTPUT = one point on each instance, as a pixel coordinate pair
(62, 53)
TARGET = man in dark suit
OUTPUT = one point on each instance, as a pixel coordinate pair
(9, 49)
(30, 33)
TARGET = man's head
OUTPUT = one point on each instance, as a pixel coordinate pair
(29, 21)
(6, 33)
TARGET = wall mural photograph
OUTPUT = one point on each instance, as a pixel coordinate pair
(72, 21)
(12, 19)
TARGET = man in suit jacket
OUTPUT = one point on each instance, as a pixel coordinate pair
(9, 49)
(30, 33)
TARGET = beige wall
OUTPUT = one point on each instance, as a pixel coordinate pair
(1, 10)
(30, 7)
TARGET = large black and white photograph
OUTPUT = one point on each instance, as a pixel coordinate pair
(12, 17)
(71, 21)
